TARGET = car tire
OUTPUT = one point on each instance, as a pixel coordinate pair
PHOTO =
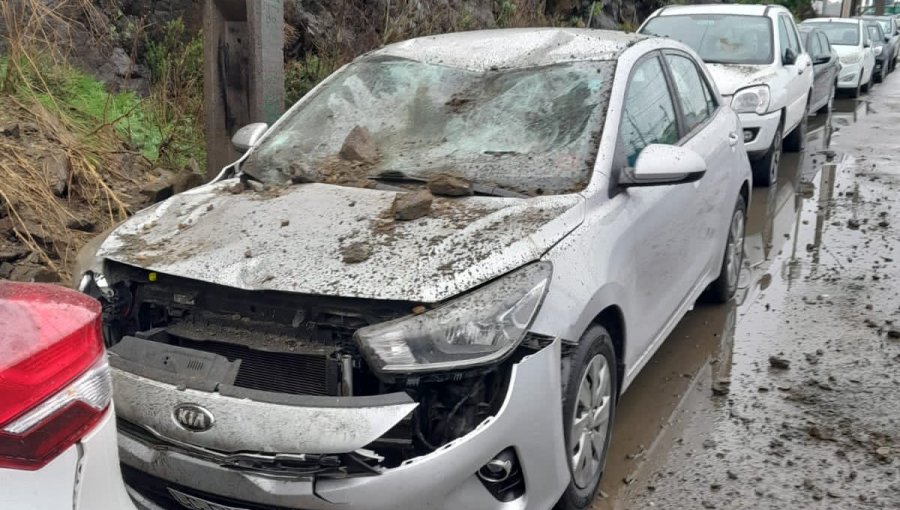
(723, 288)
(765, 169)
(855, 93)
(829, 105)
(591, 365)
(880, 77)
(796, 139)
(868, 86)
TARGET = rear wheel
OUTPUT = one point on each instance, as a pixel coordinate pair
(765, 169)
(589, 407)
(881, 74)
(724, 287)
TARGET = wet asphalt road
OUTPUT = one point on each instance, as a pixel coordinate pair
(710, 423)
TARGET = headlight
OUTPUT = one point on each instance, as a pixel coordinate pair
(478, 328)
(852, 58)
(751, 99)
(878, 50)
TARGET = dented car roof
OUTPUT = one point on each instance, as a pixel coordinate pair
(513, 48)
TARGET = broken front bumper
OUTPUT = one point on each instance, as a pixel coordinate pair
(529, 421)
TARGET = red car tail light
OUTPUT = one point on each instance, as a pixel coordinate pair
(54, 380)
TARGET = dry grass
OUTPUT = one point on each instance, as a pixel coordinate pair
(36, 54)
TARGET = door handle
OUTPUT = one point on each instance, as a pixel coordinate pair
(732, 139)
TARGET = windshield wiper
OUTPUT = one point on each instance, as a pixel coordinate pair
(478, 188)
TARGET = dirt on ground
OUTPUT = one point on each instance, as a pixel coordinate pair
(790, 396)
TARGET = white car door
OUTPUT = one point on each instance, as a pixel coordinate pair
(663, 235)
(799, 73)
(713, 133)
(868, 54)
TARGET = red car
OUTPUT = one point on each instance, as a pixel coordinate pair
(57, 426)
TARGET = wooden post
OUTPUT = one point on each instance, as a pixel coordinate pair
(243, 71)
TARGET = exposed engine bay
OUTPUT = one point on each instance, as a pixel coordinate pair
(288, 344)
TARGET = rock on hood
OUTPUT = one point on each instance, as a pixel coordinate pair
(340, 241)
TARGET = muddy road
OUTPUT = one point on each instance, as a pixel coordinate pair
(790, 396)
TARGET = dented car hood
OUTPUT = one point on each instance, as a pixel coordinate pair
(330, 240)
(731, 78)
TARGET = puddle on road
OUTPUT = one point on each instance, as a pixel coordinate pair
(670, 406)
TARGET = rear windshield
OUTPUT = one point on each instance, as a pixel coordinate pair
(532, 131)
(719, 38)
(841, 34)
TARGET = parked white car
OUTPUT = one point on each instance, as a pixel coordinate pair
(319, 333)
(755, 54)
(57, 427)
(851, 40)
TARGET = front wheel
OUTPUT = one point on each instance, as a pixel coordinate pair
(868, 86)
(765, 169)
(724, 287)
(589, 407)
(796, 140)
(855, 93)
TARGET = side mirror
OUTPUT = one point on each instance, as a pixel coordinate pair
(867, 44)
(790, 57)
(661, 165)
(822, 59)
(887, 38)
(247, 136)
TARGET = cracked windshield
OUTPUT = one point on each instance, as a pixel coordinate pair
(449, 255)
(530, 130)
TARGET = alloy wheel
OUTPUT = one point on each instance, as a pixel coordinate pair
(590, 422)
(776, 159)
(735, 256)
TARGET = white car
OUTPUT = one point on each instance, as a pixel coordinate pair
(755, 54)
(322, 332)
(57, 427)
(851, 41)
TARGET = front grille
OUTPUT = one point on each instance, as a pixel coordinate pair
(297, 374)
(157, 491)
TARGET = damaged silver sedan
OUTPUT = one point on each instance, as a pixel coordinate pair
(427, 285)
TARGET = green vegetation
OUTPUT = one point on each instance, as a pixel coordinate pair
(176, 99)
(301, 76)
(165, 127)
(78, 99)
